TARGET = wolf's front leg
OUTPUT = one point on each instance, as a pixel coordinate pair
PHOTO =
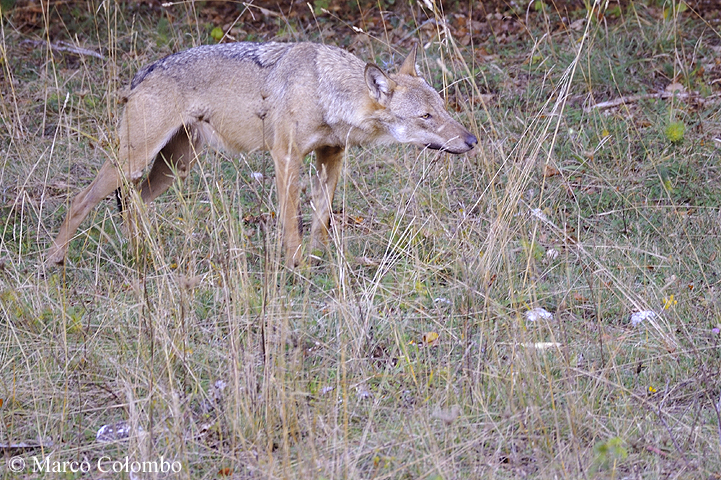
(329, 161)
(287, 168)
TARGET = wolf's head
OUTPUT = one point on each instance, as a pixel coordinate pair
(413, 112)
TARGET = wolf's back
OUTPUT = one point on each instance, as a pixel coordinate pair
(262, 55)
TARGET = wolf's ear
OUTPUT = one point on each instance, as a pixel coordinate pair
(409, 64)
(380, 86)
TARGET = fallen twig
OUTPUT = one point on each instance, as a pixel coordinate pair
(26, 445)
(66, 47)
(657, 451)
(635, 98)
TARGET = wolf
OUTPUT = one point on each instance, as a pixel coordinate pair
(290, 99)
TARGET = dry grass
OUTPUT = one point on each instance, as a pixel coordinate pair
(218, 357)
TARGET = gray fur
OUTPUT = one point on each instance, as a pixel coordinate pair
(264, 55)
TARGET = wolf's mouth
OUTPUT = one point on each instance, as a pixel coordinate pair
(435, 146)
(469, 140)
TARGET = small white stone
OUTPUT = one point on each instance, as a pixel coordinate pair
(538, 314)
(638, 317)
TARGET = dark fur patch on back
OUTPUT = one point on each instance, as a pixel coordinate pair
(142, 73)
(264, 55)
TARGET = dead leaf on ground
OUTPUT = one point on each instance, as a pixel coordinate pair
(675, 87)
(189, 283)
(550, 171)
(430, 339)
(447, 416)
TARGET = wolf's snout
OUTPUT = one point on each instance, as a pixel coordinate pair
(471, 140)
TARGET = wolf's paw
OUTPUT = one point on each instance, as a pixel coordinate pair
(55, 256)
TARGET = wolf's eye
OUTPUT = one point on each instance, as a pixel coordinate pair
(426, 116)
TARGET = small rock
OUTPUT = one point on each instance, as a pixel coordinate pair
(538, 314)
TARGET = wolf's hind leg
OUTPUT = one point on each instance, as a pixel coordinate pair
(105, 182)
(176, 157)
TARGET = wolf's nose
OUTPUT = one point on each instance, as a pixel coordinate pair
(471, 140)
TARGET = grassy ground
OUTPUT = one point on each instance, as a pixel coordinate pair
(409, 352)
